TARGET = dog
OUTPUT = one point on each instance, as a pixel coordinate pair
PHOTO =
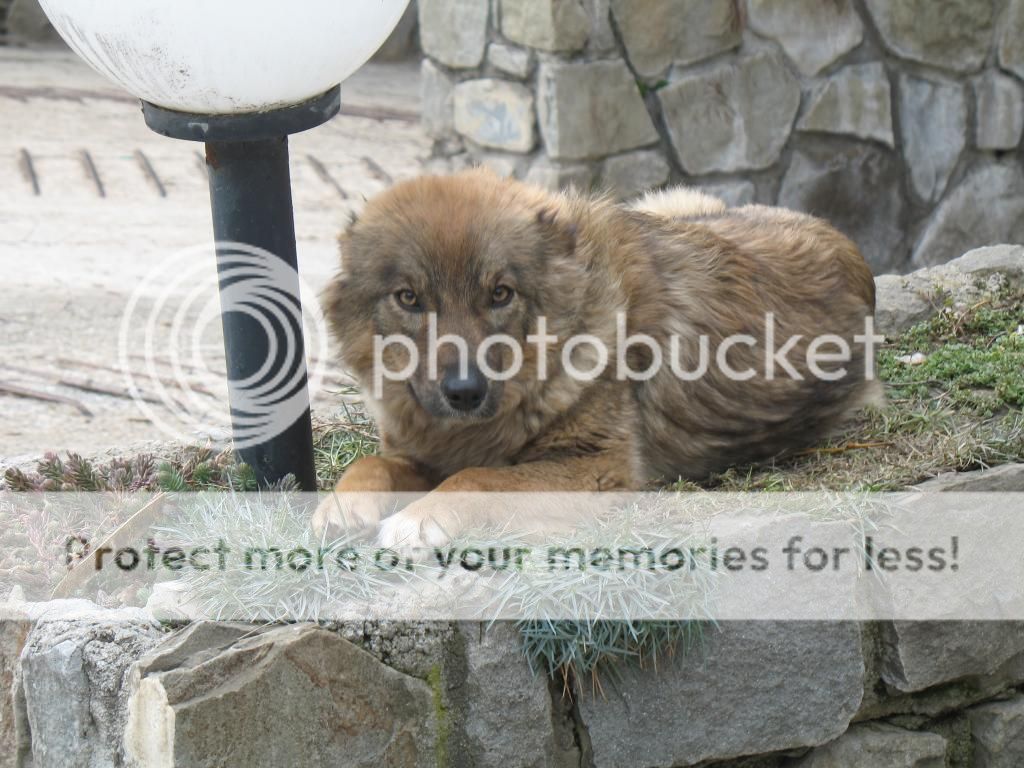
(476, 257)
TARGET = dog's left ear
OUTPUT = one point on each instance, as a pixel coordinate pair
(561, 234)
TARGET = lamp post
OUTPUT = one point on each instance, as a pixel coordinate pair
(241, 76)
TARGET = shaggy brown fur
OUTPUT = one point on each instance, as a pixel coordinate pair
(675, 263)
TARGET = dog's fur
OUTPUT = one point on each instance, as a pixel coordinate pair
(675, 262)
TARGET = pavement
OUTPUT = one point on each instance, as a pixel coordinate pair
(93, 205)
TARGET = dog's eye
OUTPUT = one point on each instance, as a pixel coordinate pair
(407, 299)
(501, 296)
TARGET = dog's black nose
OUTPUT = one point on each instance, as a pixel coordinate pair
(464, 393)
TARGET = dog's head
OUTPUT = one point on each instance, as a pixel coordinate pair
(443, 280)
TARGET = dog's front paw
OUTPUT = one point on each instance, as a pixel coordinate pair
(348, 514)
(417, 530)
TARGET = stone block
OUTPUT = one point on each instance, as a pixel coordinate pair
(856, 101)
(933, 117)
(997, 733)
(550, 25)
(950, 34)
(659, 33)
(591, 109)
(510, 59)
(1011, 38)
(812, 33)
(495, 113)
(747, 688)
(999, 112)
(554, 176)
(733, 118)
(878, 745)
(437, 106)
(628, 175)
(454, 31)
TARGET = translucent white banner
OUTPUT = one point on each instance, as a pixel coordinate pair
(586, 557)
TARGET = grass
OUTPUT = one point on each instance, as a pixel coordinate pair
(959, 407)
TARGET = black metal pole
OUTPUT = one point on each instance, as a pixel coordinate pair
(250, 193)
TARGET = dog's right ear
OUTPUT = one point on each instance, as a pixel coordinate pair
(561, 234)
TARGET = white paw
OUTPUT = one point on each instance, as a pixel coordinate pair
(413, 534)
(342, 514)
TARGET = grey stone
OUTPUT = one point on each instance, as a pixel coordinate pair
(555, 176)
(602, 36)
(732, 118)
(856, 101)
(986, 208)
(733, 193)
(510, 59)
(951, 34)
(437, 107)
(550, 25)
(509, 709)
(503, 164)
(921, 654)
(905, 300)
(812, 33)
(1004, 478)
(73, 672)
(297, 695)
(403, 42)
(1000, 111)
(878, 745)
(933, 117)
(659, 33)
(1011, 38)
(591, 110)
(634, 172)
(454, 31)
(26, 24)
(14, 629)
(857, 189)
(748, 687)
(496, 113)
(997, 733)
(196, 643)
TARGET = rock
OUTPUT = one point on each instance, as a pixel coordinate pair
(505, 165)
(510, 59)
(659, 33)
(602, 36)
(813, 34)
(797, 684)
(905, 300)
(495, 113)
(858, 189)
(509, 709)
(297, 695)
(855, 102)
(591, 110)
(73, 672)
(733, 118)
(199, 641)
(454, 31)
(950, 34)
(1011, 38)
(550, 25)
(997, 733)
(437, 108)
(1000, 111)
(26, 24)
(920, 654)
(634, 172)
(986, 208)
(1004, 478)
(403, 42)
(14, 629)
(878, 745)
(555, 176)
(933, 117)
(733, 193)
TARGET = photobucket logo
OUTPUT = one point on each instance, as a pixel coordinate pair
(585, 357)
(171, 328)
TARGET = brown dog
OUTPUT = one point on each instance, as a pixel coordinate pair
(476, 256)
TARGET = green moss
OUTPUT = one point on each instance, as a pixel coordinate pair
(435, 681)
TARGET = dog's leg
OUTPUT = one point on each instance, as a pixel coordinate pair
(360, 498)
(451, 508)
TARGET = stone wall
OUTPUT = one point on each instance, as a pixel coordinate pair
(900, 122)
